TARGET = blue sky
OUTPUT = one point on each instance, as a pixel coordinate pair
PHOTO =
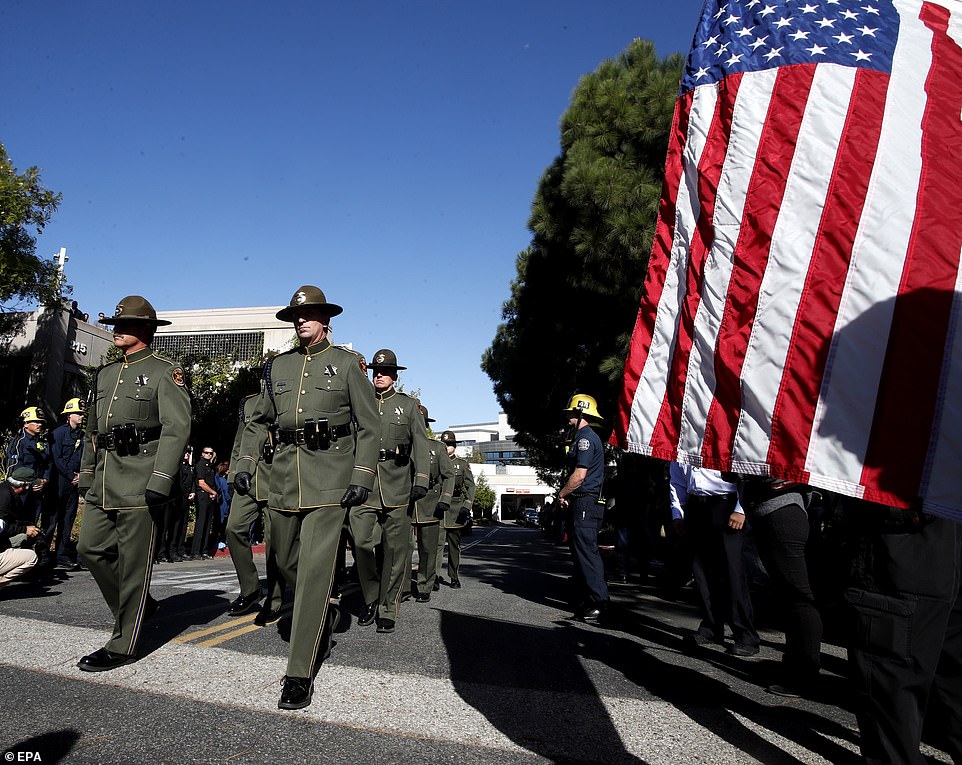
(215, 154)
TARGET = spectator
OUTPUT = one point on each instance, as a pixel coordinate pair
(705, 510)
(29, 448)
(16, 555)
(205, 497)
(223, 506)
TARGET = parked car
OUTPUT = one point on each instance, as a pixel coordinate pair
(529, 517)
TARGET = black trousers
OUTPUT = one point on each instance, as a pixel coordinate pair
(782, 536)
(905, 651)
(721, 581)
(206, 508)
(586, 519)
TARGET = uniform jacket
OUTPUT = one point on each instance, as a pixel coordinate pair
(322, 381)
(401, 428)
(13, 519)
(463, 496)
(262, 474)
(148, 391)
(31, 451)
(66, 451)
(440, 484)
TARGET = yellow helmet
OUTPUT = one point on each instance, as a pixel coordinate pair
(74, 406)
(32, 414)
(585, 405)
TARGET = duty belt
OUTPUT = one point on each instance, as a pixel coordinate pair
(401, 452)
(126, 434)
(298, 436)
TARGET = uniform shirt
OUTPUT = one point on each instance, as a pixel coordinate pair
(686, 480)
(204, 472)
(586, 451)
(322, 381)
(66, 453)
(262, 474)
(148, 391)
(401, 425)
(440, 484)
(30, 451)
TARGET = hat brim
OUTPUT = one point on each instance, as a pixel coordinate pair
(393, 367)
(142, 319)
(584, 414)
(330, 309)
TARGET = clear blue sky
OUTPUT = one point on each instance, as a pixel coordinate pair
(221, 154)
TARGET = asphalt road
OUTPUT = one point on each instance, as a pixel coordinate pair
(496, 672)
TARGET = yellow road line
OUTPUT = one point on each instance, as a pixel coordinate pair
(192, 636)
(228, 635)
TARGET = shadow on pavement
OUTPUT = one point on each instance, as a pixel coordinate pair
(50, 747)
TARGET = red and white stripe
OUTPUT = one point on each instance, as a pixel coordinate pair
(801, 313)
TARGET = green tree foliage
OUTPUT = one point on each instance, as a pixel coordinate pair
(567, 324)
(25, 206)
(484, 496)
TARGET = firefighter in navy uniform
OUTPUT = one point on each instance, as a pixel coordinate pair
(66, 451)
(138, 425)
(457, 515)
(428, 512)
(402, 476)
(585, 466)
(245, 511)
(29, 448)
(320, 405)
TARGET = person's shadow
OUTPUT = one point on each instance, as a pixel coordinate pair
(49, 747)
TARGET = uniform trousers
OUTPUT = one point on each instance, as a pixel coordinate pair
(306, 547)
(206, 508)
(586, 519)
(453, 537)
(719, 569)
(60, 522)
(244, 512)
(117, 546)
(170, 534)
(14, 562)
(782, 536)
(906, 643)
(392, 527)
(427, 542)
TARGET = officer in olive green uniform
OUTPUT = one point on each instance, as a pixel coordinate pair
(456, 517)
(245, 510)
(402, 475)
(138, 422)
(319, 403)
(426, 514)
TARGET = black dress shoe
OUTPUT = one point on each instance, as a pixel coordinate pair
(385, 625)
(741, 649)
(440, 580)
(436, 587)
(297, 693)
(244, 603)
(696, 640)
(591, 616)
(266, 616)
(368, 615)
(423, 598)
(102, 660)
(455, 584)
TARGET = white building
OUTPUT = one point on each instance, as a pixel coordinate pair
(246, 333)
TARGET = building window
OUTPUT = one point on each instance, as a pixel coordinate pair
(240, 346)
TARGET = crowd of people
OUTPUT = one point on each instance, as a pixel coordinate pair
(324, 457)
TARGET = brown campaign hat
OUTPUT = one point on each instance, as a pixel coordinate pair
(135, 308)
(424, 413)
(308, 295)
(384, 359)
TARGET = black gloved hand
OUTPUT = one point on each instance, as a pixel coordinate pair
(443, 507)
(463, 517)
(154, 498)
(355, 495)
(417, 492)
(242, 483)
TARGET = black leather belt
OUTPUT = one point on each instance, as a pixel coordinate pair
(710, 498)
(297, 436)
(390, 455)
(141, 435)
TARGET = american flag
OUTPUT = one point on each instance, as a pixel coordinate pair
(801, 309)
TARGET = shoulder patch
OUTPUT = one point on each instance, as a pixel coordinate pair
(583, 444)
(177, 375)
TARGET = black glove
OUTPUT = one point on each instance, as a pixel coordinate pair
(443, 507)
(355, 495)
(463, 517)
(154, 498)
(242, 483)
(417, 492)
